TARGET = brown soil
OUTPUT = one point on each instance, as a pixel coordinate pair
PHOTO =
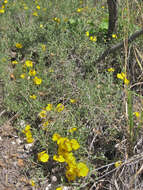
(12, 160)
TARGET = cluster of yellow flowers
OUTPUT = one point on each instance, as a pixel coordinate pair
(45, 111)
(2, 7)
(56, 19)
(65, 148)
(35, 13)
(28, 66)
(92, 38)
(43, 156)
(28, 134)
(122, 76)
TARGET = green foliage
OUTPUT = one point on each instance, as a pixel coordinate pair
(55, 39)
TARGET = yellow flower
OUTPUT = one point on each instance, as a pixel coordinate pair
(5, 1)
(126, 81)
(41, 25)
(28, 134)
(111, 69)
(59, 188)
(137, 114)
(2, 11)
(72, 129)
(56, 137)
(51, 70)
(71, 174)
(117, 164)
(57, 20)
(87, 33)
(70, 159)
(29, 140)
(33, 97)
(35, 13)
(32, 72)
(74, 144)
(37, 80)
(78, 10)
(27, 128)
(65, 144)
(38, 7)
(102, 7)
(18, 45)
(32, 183)
(42, 114)
(2, 7)
(82, 170)
(73, 101)
(93, 38)
(29, 63)
(22, 75)
(60, 107)
(44, 125)
(43, 46)
(114, 36)
(59, 158)
(122, 76)
(43, 156)
(49, 107)
(14, 62)
(25, 7)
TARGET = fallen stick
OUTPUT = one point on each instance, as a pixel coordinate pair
(119, 45)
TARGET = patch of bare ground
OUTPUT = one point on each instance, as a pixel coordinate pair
(12, 160)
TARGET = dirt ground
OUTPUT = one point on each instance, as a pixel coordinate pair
(12, 160)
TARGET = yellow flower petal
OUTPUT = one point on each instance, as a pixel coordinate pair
(49, 107)
(42, 114)
(59, 188)
(22, 75)
(33, 97)
(32, 72)
(56, 137)
(60, 107)
(82, 169)
(18, 45)
(15, 62)
(111, 69)
(32, 183)
(73, 101)
(72, 129)
(117, 164)
(74, 144)
(43, 156)
(28, 63)
(37, 80)
(137, 114)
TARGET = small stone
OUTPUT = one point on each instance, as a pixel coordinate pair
(49, 187)
(66, 188)
(13, 142)
(22, 123)
(28, 146)
(53, 179)
(18, 141)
